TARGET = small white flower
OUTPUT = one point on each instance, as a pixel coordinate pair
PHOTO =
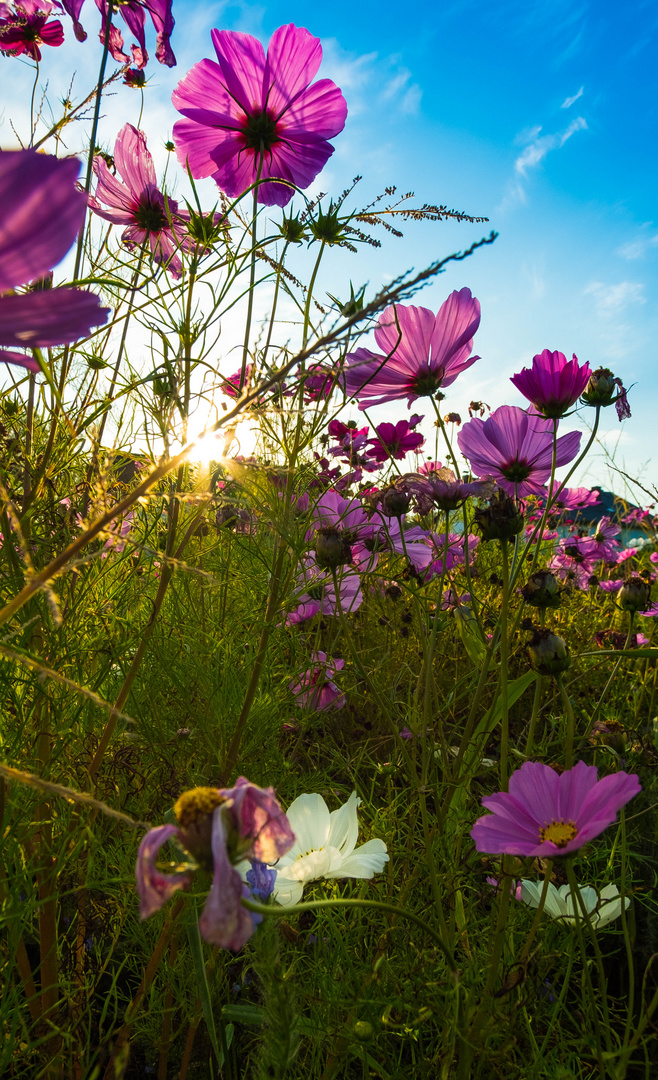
(324, 847)
(602, 906)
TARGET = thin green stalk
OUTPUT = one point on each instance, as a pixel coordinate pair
(34, 90)
(581, 916)
(442, 427)
(504, 659)
(571, 722)
(269, 911)
(252, 279)
(309, 295)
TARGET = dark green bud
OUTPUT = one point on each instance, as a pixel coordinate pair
(549, 654)
(542, 590)
(501, 519)
(293, 230)
(634, 594)
(601, 388)
(332, 548)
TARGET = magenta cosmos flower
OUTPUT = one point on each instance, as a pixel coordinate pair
(395, 441)
(218, 828)
(25, 28)
(252, 116)
(553, 384)
(515, 448)
(41, 214)
(546, 813)
(133, 13)
(422, 352)
(138, 203)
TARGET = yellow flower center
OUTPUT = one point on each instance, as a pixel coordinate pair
(196, 804)
(558, 832)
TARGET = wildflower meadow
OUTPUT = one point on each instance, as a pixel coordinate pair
(327, 722)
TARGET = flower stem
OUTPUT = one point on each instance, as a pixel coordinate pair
(504, 659)
(571, 722)
(374, 905)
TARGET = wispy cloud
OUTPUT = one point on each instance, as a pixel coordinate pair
(539, 147)
(568, 102)
(641, 245)
(612, 300)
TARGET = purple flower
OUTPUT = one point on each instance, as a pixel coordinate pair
(574, 498)
(553, 384)
(133, 13)
(440, 487)
(547, 813)
(138, 202)
(394, 441)
(255, 117)
(316, 689)
(41, 214)
(316, 594)
(515, 448)
(25, 28)
(422, 352)
(218, 828)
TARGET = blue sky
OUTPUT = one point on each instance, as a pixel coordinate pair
(541, 116)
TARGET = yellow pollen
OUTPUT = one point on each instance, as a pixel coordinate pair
(195, 804)
(558, 832)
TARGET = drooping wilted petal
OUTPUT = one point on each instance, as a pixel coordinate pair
(224, 921)
(153, 886)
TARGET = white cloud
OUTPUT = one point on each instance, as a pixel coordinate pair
(528, 135)
(539, 147)
(637, 248)
(568, 102)
(612, 300)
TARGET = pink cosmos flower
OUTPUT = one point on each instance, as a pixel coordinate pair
(350, 439)
(218, 827)
(605, 539)
(515, 448)
(547, 813)
(440, 488)
(138, 202)
(315, 594)
(553, 384)
(394, 441)
(316, 688)
(25, 28)
(41, 214)
(456, 553)
(254, 117)
(574, 498)
(133, 13)
(422, 352)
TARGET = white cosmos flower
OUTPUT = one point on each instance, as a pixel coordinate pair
(325, 847)
(602, 906)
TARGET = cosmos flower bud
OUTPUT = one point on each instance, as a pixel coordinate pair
(541, 590)
(332, 548)
(134, 77)
(601, 388)
(501, 519)
(634, 594)
(395, 502)
(549, 654)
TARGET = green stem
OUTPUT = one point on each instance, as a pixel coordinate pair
(504, 659)
(309, 295)
(581, 917)
(374, 905)
(252, 279)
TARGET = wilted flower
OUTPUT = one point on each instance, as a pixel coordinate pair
(25, 28)
(546, 813)
(604, 389)
(602, 906)
(324, 847)
(218, 828)
(553, 384)
(422, 352)
(151, 217)
(515, 448)
(440, 488)
(134, 77)
(41, 213)
(255, 118)
(133, 13)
